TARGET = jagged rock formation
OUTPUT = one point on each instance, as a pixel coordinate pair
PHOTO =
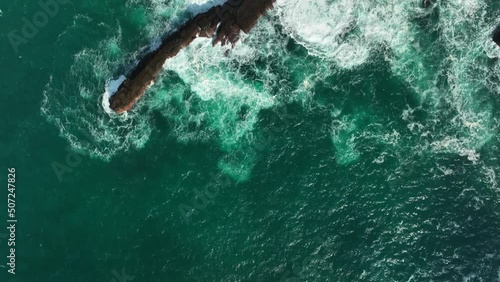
(496, 35)
(223, 23)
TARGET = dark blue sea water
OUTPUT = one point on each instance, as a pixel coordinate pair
(338, 141)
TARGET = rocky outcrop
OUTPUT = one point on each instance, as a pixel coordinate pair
(223, 23)
(496, 35)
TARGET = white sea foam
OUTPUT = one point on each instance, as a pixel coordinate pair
(75, 102)
(347, 31)
(199, 6)
(111, 88)
(323, 27)
(464, 32)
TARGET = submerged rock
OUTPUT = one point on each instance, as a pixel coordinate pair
(496, 35)
(426, 3)
(223, 23)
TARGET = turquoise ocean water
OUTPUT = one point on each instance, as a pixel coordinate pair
(340, 140)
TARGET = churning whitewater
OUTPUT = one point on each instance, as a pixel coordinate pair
(443, 59)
